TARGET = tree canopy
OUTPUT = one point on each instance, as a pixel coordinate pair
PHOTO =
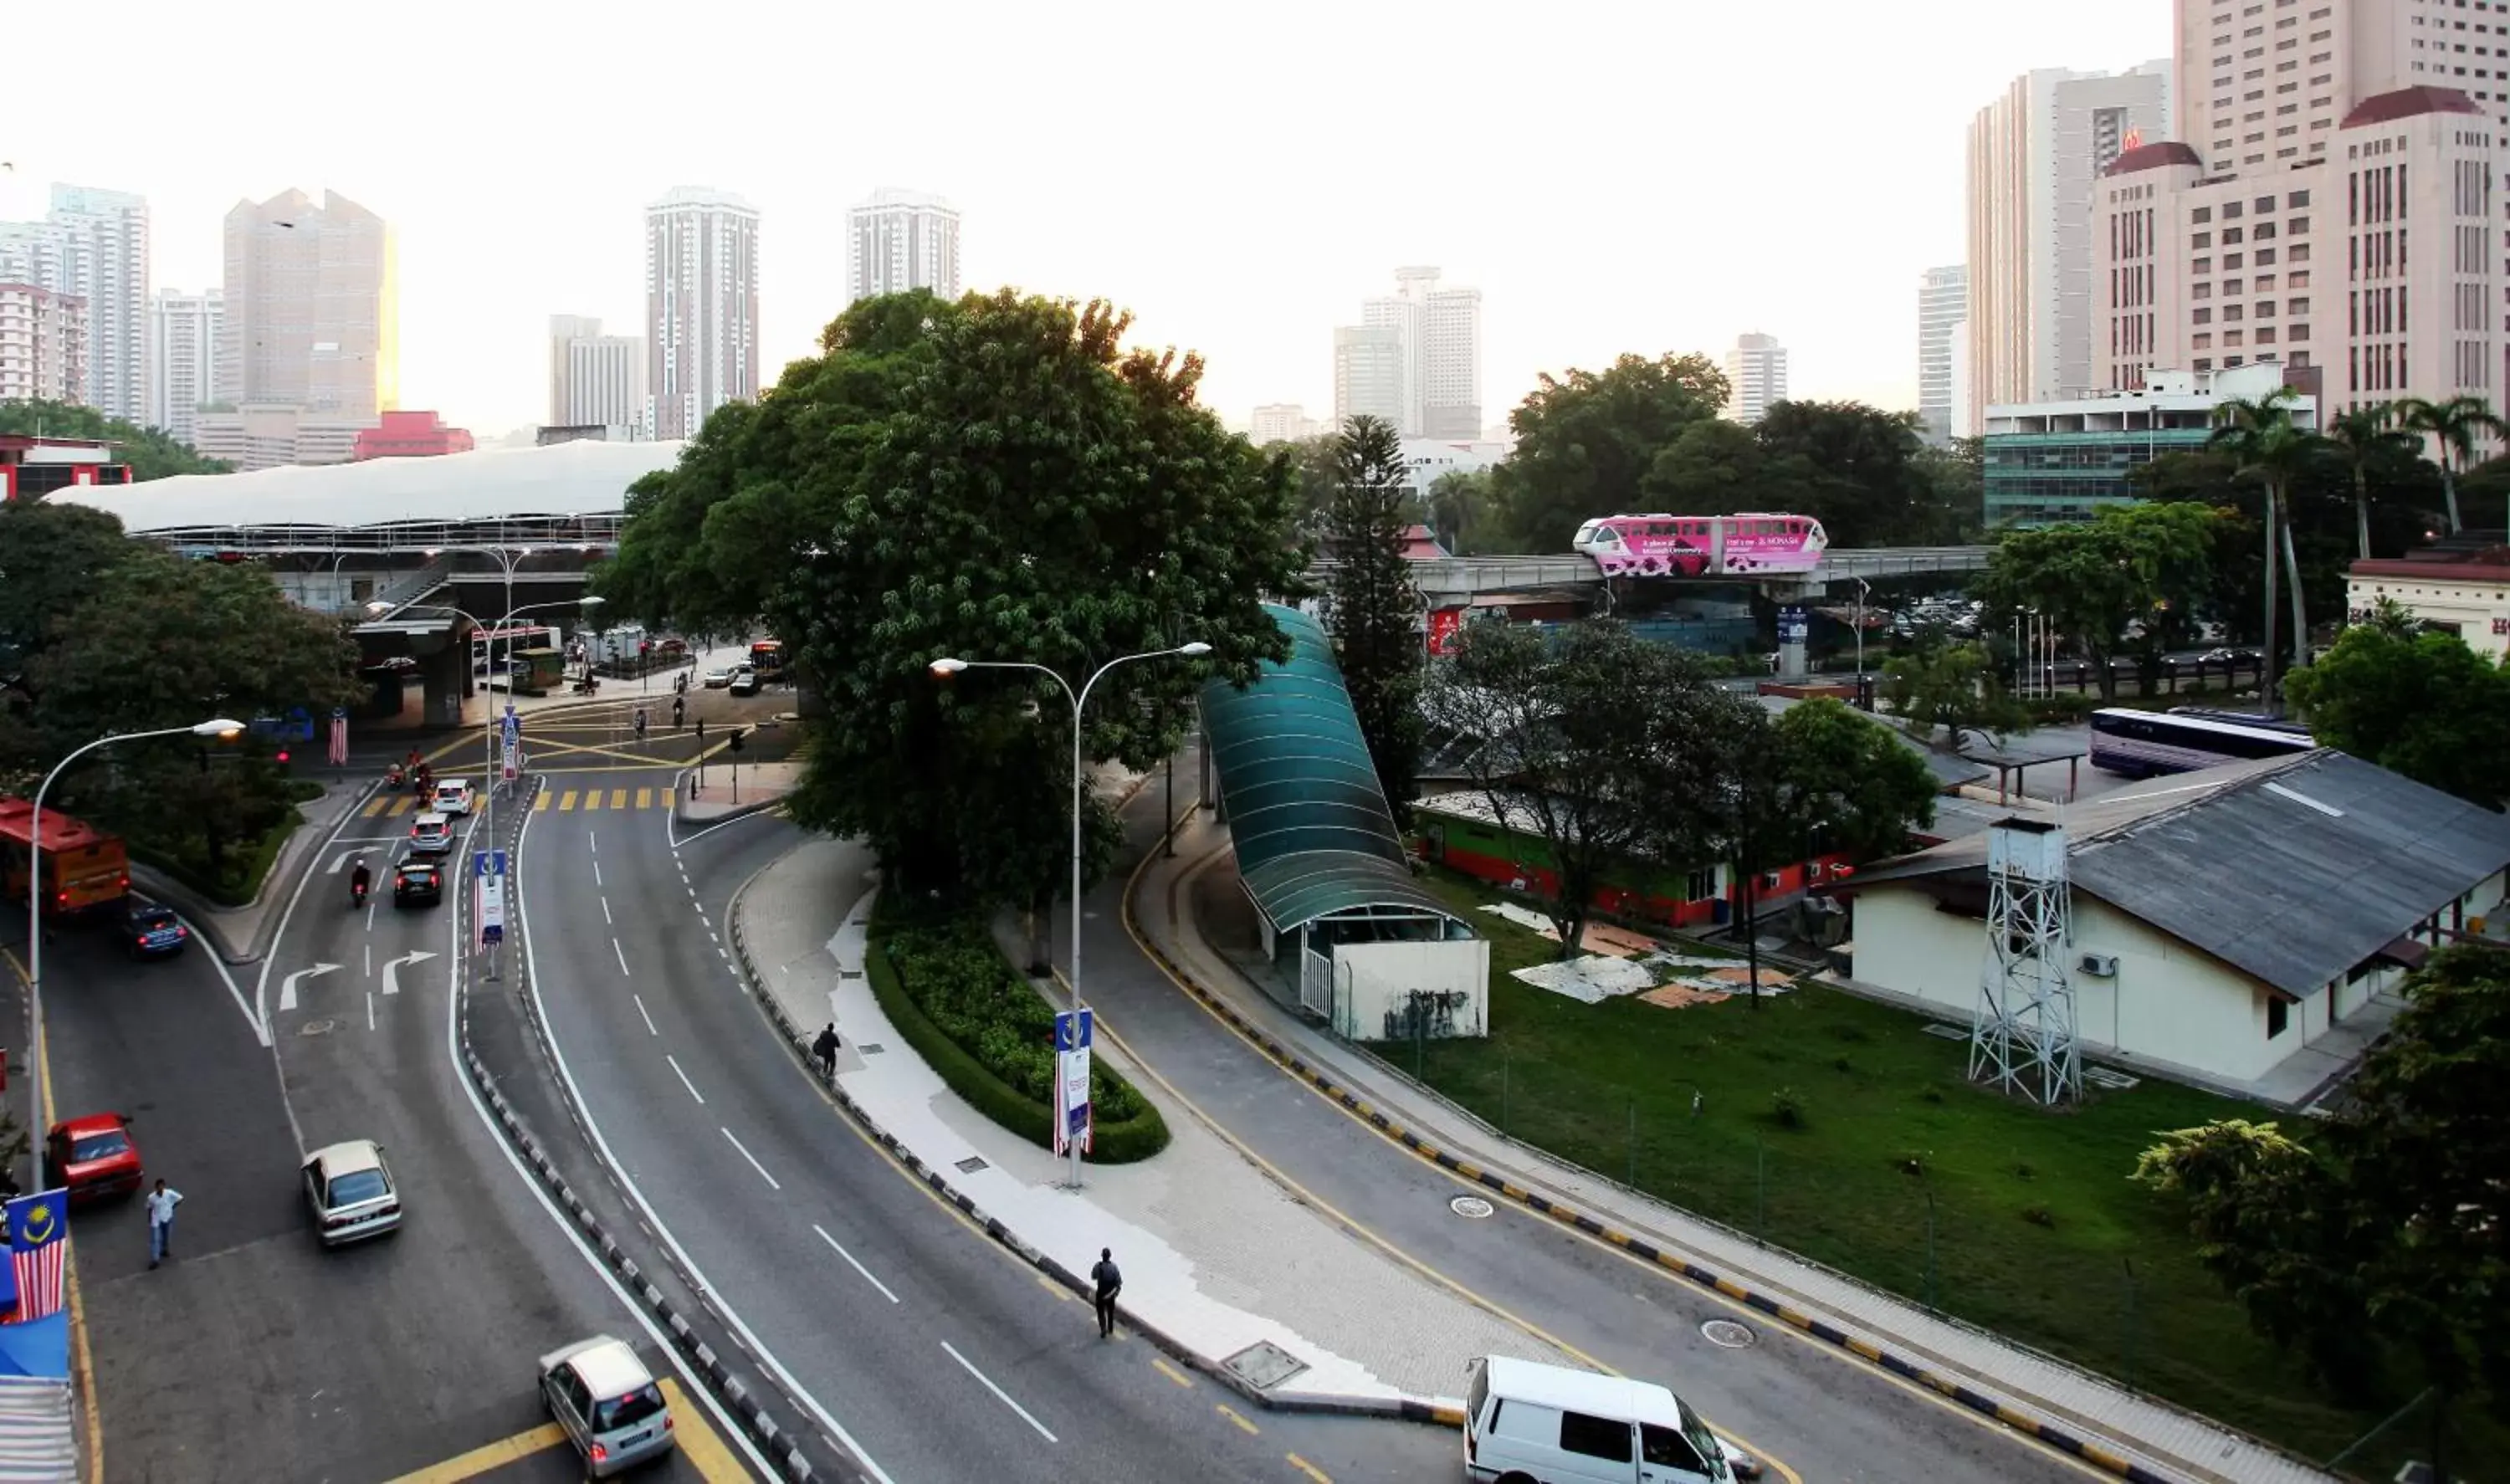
(2129, 562)
(1953, 688)
(2421, 704)
(1372, 609)
(1587, 444)
(998, 480)
(1841, 782)
(151, 452)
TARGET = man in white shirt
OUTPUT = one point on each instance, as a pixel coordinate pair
(161, 1223)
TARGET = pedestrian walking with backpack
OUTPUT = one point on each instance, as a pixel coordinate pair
(824, 1050)
(1109, 1281)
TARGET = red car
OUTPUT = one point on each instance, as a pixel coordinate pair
(94, 1157)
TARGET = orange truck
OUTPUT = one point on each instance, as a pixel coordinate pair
(81, 867)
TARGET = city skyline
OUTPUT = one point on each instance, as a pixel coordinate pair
(490, 246)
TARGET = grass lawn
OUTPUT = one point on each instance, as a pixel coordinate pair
(2035, 1231)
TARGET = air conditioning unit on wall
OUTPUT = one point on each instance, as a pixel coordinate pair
(2099, 965)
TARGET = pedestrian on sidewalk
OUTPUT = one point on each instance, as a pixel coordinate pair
(824, 1050)
(640, 725)
(161, 1223)
(1110, 1283)
(679, 713)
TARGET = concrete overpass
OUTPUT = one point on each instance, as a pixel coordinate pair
(1449, 582)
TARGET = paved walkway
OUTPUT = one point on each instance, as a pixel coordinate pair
(757, 786)
(1216, 1258)
(2178, 1441)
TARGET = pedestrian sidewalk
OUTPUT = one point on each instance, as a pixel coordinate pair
(1998, 1373)
(729, 795)
(242, 935)
(1220, 1265)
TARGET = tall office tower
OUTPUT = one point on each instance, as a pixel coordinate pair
(43, 343)
(899, 240)
(1943, 306)
(1370, 372)
(183, 334)
(1442, 334)
(313, 308)
(93, 246)
(700, 306)
(2319, 143)
(2033, 155)
(595, 380)
(1756, 377)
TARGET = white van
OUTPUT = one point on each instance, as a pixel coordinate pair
(1531, 1423)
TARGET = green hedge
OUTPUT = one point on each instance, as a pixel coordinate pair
(946, 987)
(247, 863)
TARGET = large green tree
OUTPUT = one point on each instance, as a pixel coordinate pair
(2268, 445)
(2424, 704)
(997, 480)
(1458, 510)
(2361, 439)
(2454, 425)
(2128, 563)
(1587, 443)
(151, 452)
(1372, 609)
(1842, 782)
(1951, 688)
(1609, 748)
(2384, 1231)
(1856, 468)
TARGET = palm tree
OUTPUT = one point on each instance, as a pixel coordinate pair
(2358, 439)
(2266, 445)
(2453, 426)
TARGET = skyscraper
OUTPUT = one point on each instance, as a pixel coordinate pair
(2033, 155)
(1943, 306)
(1370, 366)
(94, 246)
(43, 343)
(596, 380)
(313, 308)
(700, 306)
(899, 240)
(1440, 333)
(183, 335)
(1756, 377)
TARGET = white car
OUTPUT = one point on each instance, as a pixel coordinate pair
(452, 796)
(431, 834)
(607, 1404)
(717, 679)
(351, 1193)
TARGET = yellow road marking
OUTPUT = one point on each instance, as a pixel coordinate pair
(90, 1406)
(1309, 1469)
(494, 1456)
(541, 801)
(617, 798)
(1172, 1373)
(376, 808)
(644, 798)
(1056, 1288)
(1243, 1425)
(400, 807)
(566, 802)
(699, 1441)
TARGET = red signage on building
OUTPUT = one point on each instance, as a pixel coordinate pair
(1443, 624)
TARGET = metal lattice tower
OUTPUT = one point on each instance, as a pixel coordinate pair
(2023, 1038)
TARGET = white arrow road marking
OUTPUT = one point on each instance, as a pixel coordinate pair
(339, 860)
(392, 980)
(287, 988)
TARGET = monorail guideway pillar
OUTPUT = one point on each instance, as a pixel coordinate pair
(1795, 628)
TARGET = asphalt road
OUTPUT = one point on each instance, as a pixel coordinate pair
(1825, 1417)
(255, 1354)
(923, 1347)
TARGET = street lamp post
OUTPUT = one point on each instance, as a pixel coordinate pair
(220, 728)
(945, 668)
(1862, 592)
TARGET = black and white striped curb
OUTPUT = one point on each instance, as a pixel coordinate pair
(741, 1394)
(797, 1041)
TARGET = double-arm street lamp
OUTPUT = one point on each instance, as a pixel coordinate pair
(946, 667)
(220, 728)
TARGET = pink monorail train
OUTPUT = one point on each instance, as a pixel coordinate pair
(1746, 544)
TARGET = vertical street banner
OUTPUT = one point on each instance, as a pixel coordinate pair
(39, 1228)
(1444, 623)
(488, 897)
(510, 744)
(1072, 1034)
(339, 737)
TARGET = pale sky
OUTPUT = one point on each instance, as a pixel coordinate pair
(1644, 176)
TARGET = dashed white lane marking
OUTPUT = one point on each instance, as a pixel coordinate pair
(695, 1093)
(596, 874)
(752, 1159)
(1000, 1395)
(840, 1250)
(641, 1010)
(623, 957)
(605, 913)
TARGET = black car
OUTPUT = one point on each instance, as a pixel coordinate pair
(152, 932)
(418, 879)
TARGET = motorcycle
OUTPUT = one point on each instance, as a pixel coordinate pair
(357, 894)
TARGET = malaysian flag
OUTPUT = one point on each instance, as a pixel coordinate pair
(39, 1230)
(339, 737)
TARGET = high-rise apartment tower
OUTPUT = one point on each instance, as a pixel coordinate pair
(900, 239)
(184, 335)
(94, 246)
(700, 306)
(313, 308)
(1943, 307)
(1756, 377)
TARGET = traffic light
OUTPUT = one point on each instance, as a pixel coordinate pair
(736, 737)
(282, 757)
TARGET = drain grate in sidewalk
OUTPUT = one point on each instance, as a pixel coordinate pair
(971, 1165)
(1264, 1365)
(869, 1048)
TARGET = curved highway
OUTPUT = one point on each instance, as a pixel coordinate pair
(924, 1348)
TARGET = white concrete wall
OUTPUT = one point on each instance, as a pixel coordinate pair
(1374, 981)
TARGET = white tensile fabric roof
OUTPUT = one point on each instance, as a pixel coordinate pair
(585, 478)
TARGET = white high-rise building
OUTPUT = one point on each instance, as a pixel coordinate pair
(700, 306)
(1756, 377)
(43, 343)
(1963, 423)
(94, 246)
(596, 380)
(1282, 422)
(901, 239)
(1370, 370)
(1943, 305)
(2033, 155)
(183, 334)
(313, 308)
(1441, 331)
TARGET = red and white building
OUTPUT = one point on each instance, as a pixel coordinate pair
(410, 436)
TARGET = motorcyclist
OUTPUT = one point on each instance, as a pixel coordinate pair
(359, 880)
(395, 777)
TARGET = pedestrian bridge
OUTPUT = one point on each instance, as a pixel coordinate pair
(1447, 581)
